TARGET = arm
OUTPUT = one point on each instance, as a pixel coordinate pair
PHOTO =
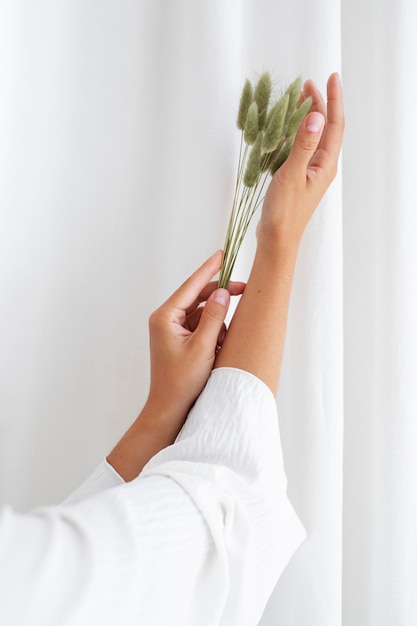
(184, 338)
(255, 339)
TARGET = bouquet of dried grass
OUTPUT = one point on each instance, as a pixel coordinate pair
(267, 135)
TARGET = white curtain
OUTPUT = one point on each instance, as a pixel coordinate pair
(117, 156)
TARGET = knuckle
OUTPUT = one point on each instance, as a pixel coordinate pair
(214, 312)
(154, 320)
(306, 144)
(331, 171)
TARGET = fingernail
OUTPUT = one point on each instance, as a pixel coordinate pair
(314, 122)
(221, 296)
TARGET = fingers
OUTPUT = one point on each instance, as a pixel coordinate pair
(194, 312)
(336, 120)
(211, 323)
(331, 141)
(184, 302)
(305, 145)
(319, 139)
(318, 104)
(222, 336)
(186, 296)
(235, 289)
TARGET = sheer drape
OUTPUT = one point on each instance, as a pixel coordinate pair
(117, 157)
(380, 294)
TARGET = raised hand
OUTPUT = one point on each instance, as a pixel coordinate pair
(255, 339)
(300, 183)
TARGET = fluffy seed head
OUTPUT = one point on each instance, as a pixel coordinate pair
(294, 92)
(251, 127)
(275, 125)
(253, 167)
(298, 116)
(244, 104)
(282, 155)
(268, 158)
(261, 96)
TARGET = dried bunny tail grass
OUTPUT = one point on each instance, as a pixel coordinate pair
(294, 93)
(261, 95)
(275, 125)
(251, 127)
(282, 155)
(268, 134)
(253, 167)
(244, 104)
(298, 116)
(268, 158)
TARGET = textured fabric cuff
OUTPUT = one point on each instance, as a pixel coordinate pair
(104, 477)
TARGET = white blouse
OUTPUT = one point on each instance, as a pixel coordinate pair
(200, 538)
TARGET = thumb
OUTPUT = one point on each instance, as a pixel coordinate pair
(307, 140)
(212, 319)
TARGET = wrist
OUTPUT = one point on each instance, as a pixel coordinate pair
(162, 417)
(153, 430)
(277, 249)
(167, 404)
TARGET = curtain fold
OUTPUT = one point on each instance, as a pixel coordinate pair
(380, 293)
(290, 39)
(117, 160)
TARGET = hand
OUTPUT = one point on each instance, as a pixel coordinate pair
(299, 184)
(184, 339)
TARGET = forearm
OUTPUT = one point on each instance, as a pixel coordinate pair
(255, 339)
(152, 431)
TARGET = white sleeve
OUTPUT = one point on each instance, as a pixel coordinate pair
(103, 477)
(201, 536)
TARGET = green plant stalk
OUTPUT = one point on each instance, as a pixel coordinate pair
(245, 205)
(235, 208)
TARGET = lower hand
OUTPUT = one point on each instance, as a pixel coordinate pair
(184, 339)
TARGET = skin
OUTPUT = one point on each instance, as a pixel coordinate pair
(184, 341)
(185, 338)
